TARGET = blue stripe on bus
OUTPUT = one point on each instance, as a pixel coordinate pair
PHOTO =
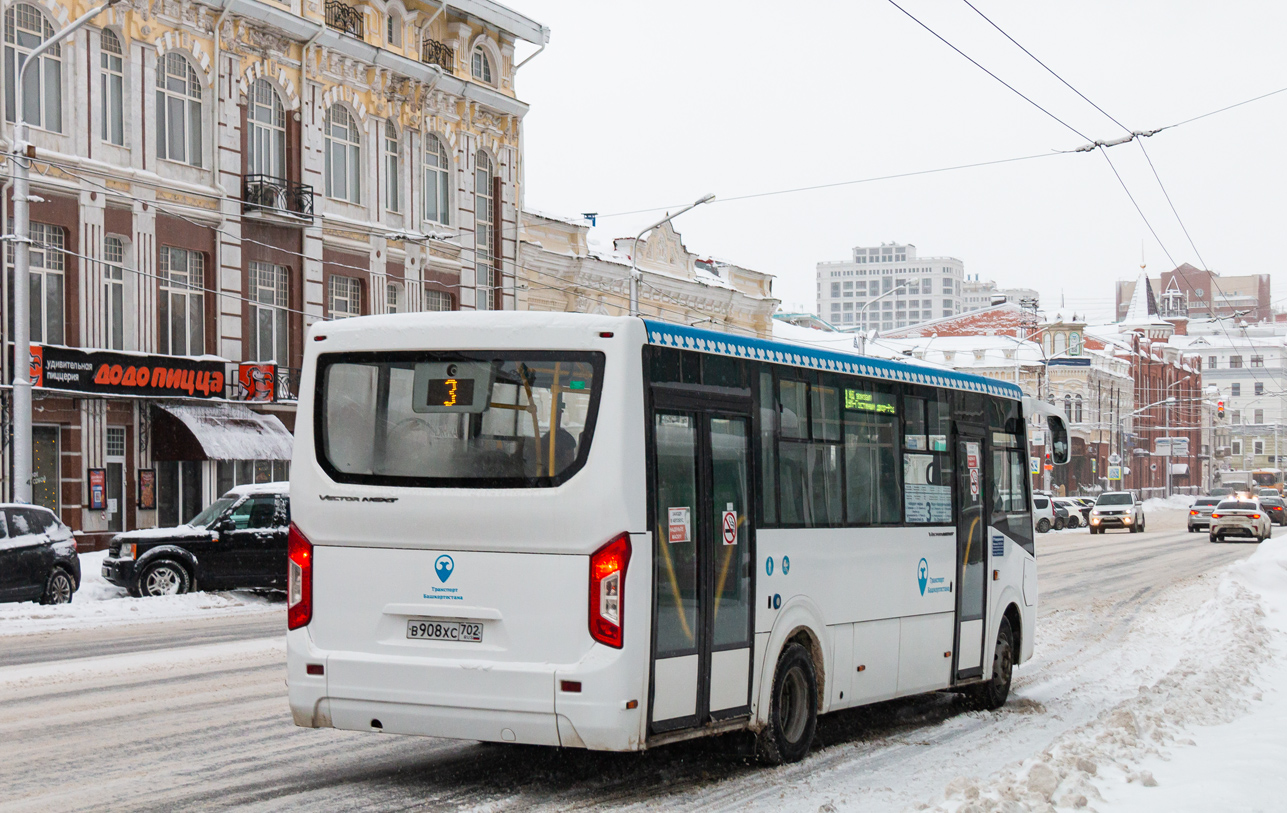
(684, 337)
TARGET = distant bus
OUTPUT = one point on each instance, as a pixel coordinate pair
(1251, 481)
(612, 533)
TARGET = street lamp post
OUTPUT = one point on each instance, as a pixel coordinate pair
(22, 266)
(860, 341)
(634, 250)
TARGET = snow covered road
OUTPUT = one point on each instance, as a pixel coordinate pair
(198, 722)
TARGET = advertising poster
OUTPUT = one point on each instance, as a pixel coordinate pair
(147, 489)
(98, 489)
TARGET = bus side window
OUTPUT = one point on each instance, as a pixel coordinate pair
(768, 460)
(1010, 512)
(872, 483)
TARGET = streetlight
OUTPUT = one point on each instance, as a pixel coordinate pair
(860, 341)
(634, 251)
(22, 266)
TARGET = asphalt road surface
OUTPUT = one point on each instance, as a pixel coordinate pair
(192, 714)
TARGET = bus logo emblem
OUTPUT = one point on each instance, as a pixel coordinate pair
(444, 565)
(922, 575)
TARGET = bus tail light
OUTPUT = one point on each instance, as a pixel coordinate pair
(299, 579)
(607, 580)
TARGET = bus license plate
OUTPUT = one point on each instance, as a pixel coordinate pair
(466, 631)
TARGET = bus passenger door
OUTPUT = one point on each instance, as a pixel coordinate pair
(701, 667)
(971, 561)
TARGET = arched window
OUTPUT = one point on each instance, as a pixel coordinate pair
(343, 155)
(392, 176)
(266, 119)
(484, 235)
(435, 191)
(178, 110)
(1061, 343)
(25, 28)
(1074, 343)
(112, 106)
(1077, 409)
(481, 66)
(1068, 413)
(393, 31)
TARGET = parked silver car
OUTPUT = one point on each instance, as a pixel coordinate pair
(1240, 517)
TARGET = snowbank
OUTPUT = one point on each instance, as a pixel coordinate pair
(99, 603)
(1226, 679)
(1175, 502)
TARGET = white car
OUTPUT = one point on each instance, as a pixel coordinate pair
(1117, 509)
(1043, 513)
(1240, 517)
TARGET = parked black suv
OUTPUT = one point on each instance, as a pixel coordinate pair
(38, 557)
(239, 541)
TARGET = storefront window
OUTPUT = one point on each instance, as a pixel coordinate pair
(233, 473)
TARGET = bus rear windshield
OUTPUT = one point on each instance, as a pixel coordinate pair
(460, 419)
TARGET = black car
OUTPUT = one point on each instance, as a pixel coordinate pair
(1277, 510)
(38, 557)
(239, 541)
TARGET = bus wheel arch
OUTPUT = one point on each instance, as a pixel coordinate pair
(1015, 618)
(797, 623)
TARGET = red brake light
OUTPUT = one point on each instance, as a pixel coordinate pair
(1215, 516)
(299, 579)
(607, 583)
(1193, 513)
(1255, 516)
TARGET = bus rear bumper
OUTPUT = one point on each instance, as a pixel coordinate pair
(462, 699)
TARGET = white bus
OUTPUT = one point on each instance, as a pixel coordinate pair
(613, 533)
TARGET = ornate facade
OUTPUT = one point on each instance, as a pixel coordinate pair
(213, 177)
(559, 271)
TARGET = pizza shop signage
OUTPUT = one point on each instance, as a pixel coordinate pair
(107, 373)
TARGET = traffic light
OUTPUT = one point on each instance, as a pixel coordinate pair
(1219, 409)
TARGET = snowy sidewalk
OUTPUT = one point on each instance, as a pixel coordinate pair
(98, 603)
(1206, 736)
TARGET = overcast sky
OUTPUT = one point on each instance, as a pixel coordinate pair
(638, 105)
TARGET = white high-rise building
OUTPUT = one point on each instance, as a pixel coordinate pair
(886, 287)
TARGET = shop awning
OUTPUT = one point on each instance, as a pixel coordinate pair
(218, 432)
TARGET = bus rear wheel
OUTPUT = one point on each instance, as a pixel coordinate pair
(992, 695)
(793, 709)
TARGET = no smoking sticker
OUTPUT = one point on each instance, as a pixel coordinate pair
(728, 525)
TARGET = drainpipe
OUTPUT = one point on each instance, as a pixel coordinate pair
(214, 129)
(545, 36)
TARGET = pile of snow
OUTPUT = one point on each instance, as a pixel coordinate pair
(99, 603)
(1175, 502)
(1114, 760)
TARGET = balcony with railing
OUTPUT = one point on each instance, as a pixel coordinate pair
(433, 52)
(265, 193)
(345, 18)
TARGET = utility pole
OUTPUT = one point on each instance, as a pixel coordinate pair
(22, 153)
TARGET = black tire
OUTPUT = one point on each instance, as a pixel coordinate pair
(992, 695)
(59, 587)
(1073, 522)
(165, 577)
(793, 709)
(1043, 526)
(1212, 537)
(1060, 523)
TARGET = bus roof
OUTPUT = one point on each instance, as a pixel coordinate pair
(664, 334)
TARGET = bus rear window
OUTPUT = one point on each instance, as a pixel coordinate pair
(459, 419)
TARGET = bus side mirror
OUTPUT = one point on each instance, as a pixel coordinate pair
(1060, 450)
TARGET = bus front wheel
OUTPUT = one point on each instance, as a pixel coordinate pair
(793, 709)
(992, 695)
